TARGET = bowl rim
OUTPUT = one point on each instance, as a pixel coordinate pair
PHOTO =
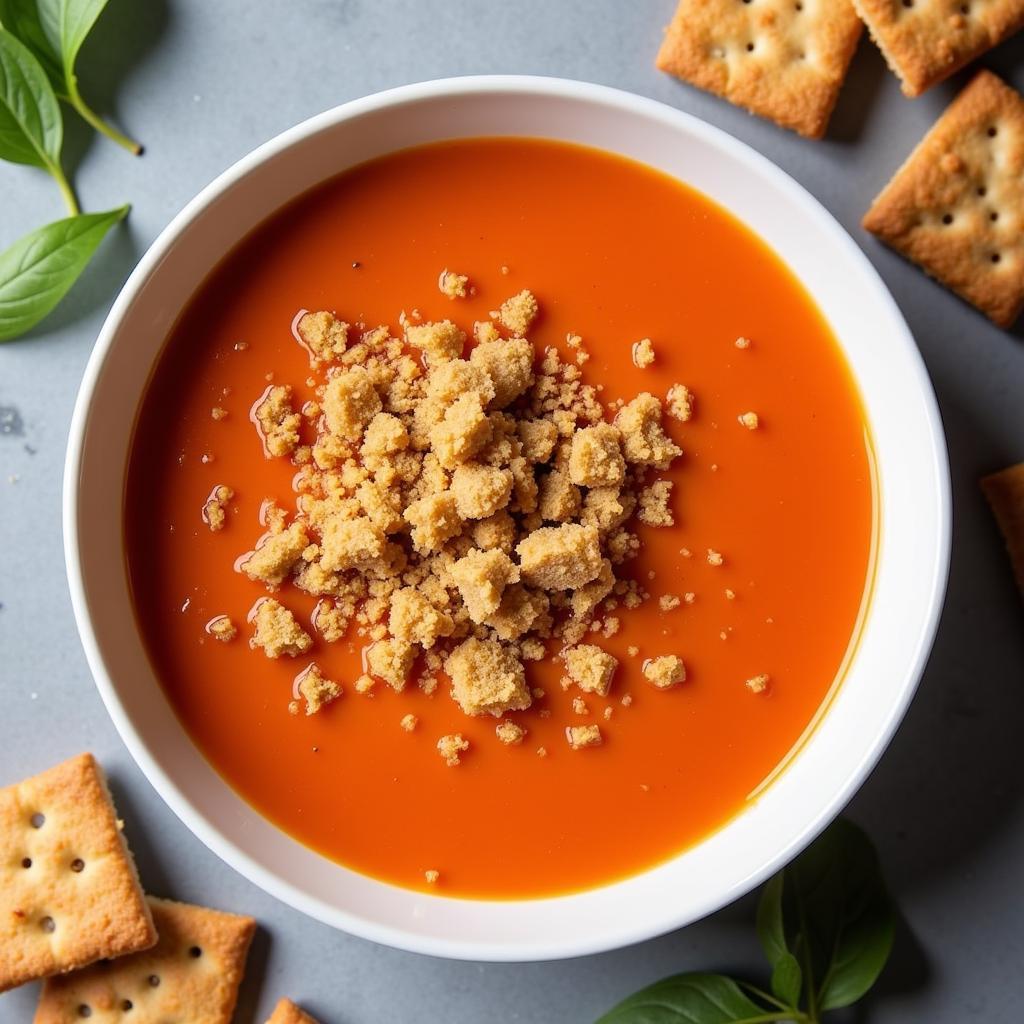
(624, 933)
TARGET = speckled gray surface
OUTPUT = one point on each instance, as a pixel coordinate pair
(202, 83)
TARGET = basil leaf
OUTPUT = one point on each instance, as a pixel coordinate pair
(21, 18)
(787, 977)
(65, 25)
(690, 999)
(835, 896)
(37, 271)
(31, 128)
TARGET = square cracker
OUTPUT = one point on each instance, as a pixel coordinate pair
(1004, 492)
(191, 975)
(781, 59)
(69, 894)
(956, 207)
(925, 41)
(286, 1012)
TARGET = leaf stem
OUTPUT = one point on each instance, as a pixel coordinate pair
(74, 97)
(767, 997)
(65, 189)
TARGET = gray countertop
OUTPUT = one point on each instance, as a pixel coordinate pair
(202, 83)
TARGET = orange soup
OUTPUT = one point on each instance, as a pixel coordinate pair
(757, 587)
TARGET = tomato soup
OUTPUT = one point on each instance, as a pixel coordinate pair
(758, 586)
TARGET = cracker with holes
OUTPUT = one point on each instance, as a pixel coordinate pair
(925, 41)
(191, 975)
(781, 59)
(1004, 491)
(286, 1012)
(69, 894)
(956, 207)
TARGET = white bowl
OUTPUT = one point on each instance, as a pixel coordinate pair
(914, 515)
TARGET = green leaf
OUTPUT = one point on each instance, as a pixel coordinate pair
(31, 128)
(37, 271)
(835, 897)
(690, 999)
(66, 24)
(787, 977)
(21, 18)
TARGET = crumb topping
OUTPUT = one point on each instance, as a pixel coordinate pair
(665, 671)
(757, 684)
(581, 736)
(643, 353)
(214, 514)
(463, 504)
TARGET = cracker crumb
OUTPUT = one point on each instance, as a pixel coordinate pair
(214, 514)
(276, 555)
(487, 678)
(579, 706)
(679, 402)
(431, 876)
(350, 401)
(218, 412)
(323, 335)
(757, 684)
(277, 422)
(590, 668)
(364, 685)
(749, 420)
(581, 736)
(595, 458)
(608, 713)
(222, 628)
(742, 343)
(453, 285)
(391, 660)
(316, 689)
(510, 733)
(438, 341)
(409, 722)
(562, 557)
(542, 752)
(451, 746)
(481, 577)
(643, 353)
(665, 672)
(644, 441)
(730, 595)
(667, 602)
(277, 630)
(714, 557)
(518, 313)
(632, 650)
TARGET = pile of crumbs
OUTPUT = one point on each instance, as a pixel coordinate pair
(464, 505)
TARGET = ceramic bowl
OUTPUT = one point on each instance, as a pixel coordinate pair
(899, 622)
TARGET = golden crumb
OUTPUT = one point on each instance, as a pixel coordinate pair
(644, 441)
(451, 746)
(667, 602)
(350, 402)
(542, 752)
(218, 412)
(595, 457)
(581, 736)
(222, 628)
(213, 511)
(730, 594)
(560, 557)
(665, 671)
(453, 285)
(438, 341)
(316, 689)
(364, 685)
(277, 422)
(487, 678)
(742, 342)
(481, 577)
(714, 557)
(510, 733)
(409, 722)
(431, 876)
(579, 706)
(391, 660)
(276, 555)
(518, 313)
(757, 684)
(632, 650)
(277, 630)
(680, 402)
(323, 335)
(590, 668)
(749, 420)
(643, 353)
